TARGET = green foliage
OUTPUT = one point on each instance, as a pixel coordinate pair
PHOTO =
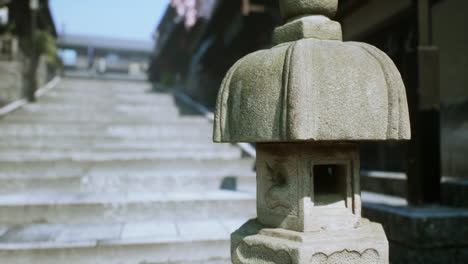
(167, 78)
(9, 29)
(45, 45)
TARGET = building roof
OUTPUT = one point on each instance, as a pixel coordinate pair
(75, 40)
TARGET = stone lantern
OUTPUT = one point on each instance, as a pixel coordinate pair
(306, 102)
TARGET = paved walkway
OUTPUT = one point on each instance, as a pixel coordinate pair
(106, 172)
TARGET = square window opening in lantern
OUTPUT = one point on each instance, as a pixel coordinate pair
(329, 185)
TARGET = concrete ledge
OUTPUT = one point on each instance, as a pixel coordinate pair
(389, 183)
(455, 192)
(17, 104)
(402, 255)
(433, 234)
(432, 227)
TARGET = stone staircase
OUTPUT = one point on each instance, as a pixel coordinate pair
(106, 172)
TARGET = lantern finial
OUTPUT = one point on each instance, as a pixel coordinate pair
(295, 8)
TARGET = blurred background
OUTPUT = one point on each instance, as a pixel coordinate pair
(106, 121)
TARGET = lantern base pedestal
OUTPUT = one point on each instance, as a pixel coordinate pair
(255, 243)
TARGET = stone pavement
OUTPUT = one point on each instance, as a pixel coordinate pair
(101, 171)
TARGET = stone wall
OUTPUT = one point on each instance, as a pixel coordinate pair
(11, 81)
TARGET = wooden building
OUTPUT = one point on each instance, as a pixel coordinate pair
(196, 58)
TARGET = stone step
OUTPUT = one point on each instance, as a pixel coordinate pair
(93, 118)
(111, 178)
(99, 140)
(91, 87)
(147, 99)
(81, 92)
(150, 102)
(389, 183)
(67, 175)
(115, 92)
(103, 144)
(76, 208)
(113, 142)
(371, 198)
(115, 108)
(90, 113)
(454, 191)
(137, 182)
(53, 168)
(87, 130)
(153, 242)
(181, 120)
(105, 172)
(108, 155)
(98, 92)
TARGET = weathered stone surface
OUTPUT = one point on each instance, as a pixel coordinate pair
(254, 243)
(312, 86)
(312, 89)
(11, 84)
(421, 227)
(319, 27)
(432, 234)
(294, 8)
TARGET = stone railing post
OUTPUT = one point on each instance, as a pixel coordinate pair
(306, 102)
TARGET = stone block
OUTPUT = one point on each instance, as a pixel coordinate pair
(430, 227)
(319, 27)
(11, 84)
(294, 8)
(400, 254)
(388, 183)
(454, 192)
(254, 243)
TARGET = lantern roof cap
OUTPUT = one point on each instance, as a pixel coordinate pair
(312, 86)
